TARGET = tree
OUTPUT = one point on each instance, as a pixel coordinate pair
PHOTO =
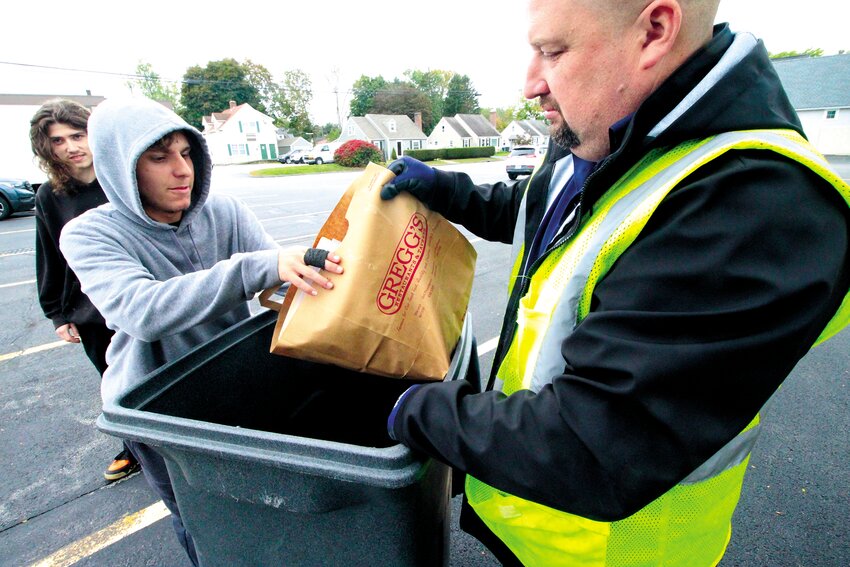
(293, 101)
(363, 91)
(403, 98)
(435, 85)
(261, 79)
(210, 89)
(528, 109)
(461, 97)
(811, 52)
(149, 83)
(504, 116)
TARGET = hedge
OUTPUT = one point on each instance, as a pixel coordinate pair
(451, 153)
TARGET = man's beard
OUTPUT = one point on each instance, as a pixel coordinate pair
(564, 136)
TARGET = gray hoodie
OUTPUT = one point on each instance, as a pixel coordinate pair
(164, 289)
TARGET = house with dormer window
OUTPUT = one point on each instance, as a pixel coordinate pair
(388, 132)
(240, 134)
(463, 131)
(522, 132)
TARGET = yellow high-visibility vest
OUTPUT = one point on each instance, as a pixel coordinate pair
(690, 525)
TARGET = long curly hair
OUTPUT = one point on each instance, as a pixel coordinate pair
(55, 111)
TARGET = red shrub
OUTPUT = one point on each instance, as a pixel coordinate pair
(357, 153)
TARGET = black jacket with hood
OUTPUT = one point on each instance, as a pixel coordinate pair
(692, 330)
(59, 291)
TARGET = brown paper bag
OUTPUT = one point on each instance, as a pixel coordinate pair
(399, 307)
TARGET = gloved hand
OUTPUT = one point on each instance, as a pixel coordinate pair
(412, 176)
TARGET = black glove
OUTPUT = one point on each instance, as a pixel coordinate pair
(412, 176)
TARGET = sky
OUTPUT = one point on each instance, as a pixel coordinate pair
(62, 48)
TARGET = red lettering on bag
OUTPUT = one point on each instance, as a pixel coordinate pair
(405, 261)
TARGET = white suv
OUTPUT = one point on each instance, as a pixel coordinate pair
(322, 153)
(522, 160)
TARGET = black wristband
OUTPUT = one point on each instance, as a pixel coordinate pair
(316, 257)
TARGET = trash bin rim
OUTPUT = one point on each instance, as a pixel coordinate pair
(276, 449)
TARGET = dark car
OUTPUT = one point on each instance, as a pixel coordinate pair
(292, 156)
(16, 195)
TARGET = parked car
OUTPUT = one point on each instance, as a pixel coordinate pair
(322, 153)
(16, 195)
(297, 156)
(292, 156)
(522, 159)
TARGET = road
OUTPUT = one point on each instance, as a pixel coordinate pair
(794, 510)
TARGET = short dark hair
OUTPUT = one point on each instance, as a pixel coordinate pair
(163, 143)
(56, 111)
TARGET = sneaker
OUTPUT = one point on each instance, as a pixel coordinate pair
(124, 464)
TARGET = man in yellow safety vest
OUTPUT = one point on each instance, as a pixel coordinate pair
(678, 250)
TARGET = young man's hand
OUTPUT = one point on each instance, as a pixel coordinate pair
(292, 268)
(68, 333)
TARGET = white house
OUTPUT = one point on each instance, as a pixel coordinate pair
(819, 89)
(535, 130)
(16, 111)
(240, 134)
(463, 131)
(386, 131)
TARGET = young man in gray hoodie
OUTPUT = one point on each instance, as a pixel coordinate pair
(167, 263)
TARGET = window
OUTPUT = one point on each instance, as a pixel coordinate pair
(351, 129)
(392, 126)
(443, 128)
(831, 114)
(238, 149)
(251, 137)
(415, 145)
(467, 142)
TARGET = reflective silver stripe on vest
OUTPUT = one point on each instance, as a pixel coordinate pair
(731, 455)
(519, 233)
(550, 362)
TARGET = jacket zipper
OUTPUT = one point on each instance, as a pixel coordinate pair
(524, 280)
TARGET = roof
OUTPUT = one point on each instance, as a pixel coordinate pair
(816, 82)
(216, 120)
(534, 127)
(456, 126)
(39, 99)
(291, 140)
(367, 128)
(405, 127)
(478, 125)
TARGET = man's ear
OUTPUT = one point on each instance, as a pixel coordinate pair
(661, 23)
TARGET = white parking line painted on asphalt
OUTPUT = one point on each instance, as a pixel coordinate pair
(127, 525)
(17, 231)
(487, 346)
(17, 283)
(33, 350)
(20, 253)
(90, 545)
(294, 216)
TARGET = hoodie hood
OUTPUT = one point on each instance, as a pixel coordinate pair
(120, 130)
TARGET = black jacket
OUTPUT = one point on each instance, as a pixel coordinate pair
(692, 330)
(58, 287)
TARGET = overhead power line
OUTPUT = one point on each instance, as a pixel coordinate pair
(138, 77)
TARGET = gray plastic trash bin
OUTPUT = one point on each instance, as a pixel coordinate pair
(277, 461)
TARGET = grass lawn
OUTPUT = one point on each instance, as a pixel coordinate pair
(334, 168)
